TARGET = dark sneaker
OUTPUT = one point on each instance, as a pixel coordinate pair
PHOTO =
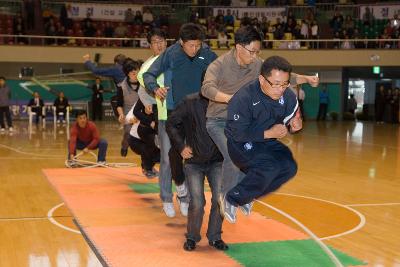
(124, 152)
(246, 208)
(218, 244)
(149, 174)
(189, 245)
(227, 210)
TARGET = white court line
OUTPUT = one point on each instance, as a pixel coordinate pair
(26, 153)
(360, 215)
(51, 219)
(373, 204)
(324, 247)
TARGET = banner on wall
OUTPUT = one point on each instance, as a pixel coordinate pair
(101, 11)
(271, 13)
(381, 11)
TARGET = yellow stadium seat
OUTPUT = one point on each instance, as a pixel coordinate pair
(237, 23)
(288, 36)
(213, 43)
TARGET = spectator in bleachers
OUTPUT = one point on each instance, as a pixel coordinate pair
(264, 24)
(108, 30)
(223, 40)
(50, 30)
(212, 33)
(36, 104)
(395, 22)
(138, 19)
(290, 25)
(47, 13)
(129, 16)
(368, 17)
(229, 20)
(309, 16)
(304, 29)
(148, 18)
(385, 44)
(279, 32)
(61, 104)
(89, 30)
(349, 25)
(210, 20)
(86, 21)
(314, 33)
(290, 16)
(219, 21)
(336, 22)
(120, 31)
(337, 39)
(30, 14)
(65, 16)
(61, 32)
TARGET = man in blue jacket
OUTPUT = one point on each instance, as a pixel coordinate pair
(183, 65)
(258, 114)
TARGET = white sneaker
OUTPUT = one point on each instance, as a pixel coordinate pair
(183, 207)
(101, 163)
(169, 209)
(10, 129)
(181, 190)
(2, 130)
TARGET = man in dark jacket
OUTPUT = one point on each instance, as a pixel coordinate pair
(186, 128)
(183, 65)
(5, 95)
(97, 100)
(258, 114)
(36, 104)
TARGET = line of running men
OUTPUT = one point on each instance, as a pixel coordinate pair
(183, 95)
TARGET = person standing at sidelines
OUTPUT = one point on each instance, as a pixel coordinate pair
(183, 65)
(5, 94)
(259, 114)
(224, 77)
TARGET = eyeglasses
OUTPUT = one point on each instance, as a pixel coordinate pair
(276, 86)
(252, 52)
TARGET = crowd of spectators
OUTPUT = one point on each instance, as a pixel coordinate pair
(289, 32)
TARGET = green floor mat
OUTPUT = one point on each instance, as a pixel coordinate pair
(152, 188)
(292, 253)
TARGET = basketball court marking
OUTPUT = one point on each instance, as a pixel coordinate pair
(373, 204)
(324, 247)
(359, 214)
(51, 219)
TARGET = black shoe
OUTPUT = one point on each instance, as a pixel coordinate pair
(218, 244)
(189, 245)
(124, 152)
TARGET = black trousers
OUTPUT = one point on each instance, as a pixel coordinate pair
(145, 147)
(38, 111)
(97, 110)
(323, 108)
(5, 111)
(267, 165)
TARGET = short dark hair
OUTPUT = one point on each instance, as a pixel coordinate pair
(80, 112)
(2, 78)
(191, 31)
(275, 63)
(156, 32)
(247, 34)
(130, 65)
(119, 59)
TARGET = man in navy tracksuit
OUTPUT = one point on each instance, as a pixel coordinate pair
(258, 114)
(183, 65)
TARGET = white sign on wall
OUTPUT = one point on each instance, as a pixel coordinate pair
(381, 11)
(271, 13)
(101, 11)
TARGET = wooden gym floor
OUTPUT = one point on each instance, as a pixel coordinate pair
(347, 192)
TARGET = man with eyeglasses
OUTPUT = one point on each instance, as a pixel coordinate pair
(258, 115)
(224, 77)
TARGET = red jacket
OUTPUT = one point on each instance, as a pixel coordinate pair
(89, 134)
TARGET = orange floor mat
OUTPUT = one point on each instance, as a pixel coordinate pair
(130, 229)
